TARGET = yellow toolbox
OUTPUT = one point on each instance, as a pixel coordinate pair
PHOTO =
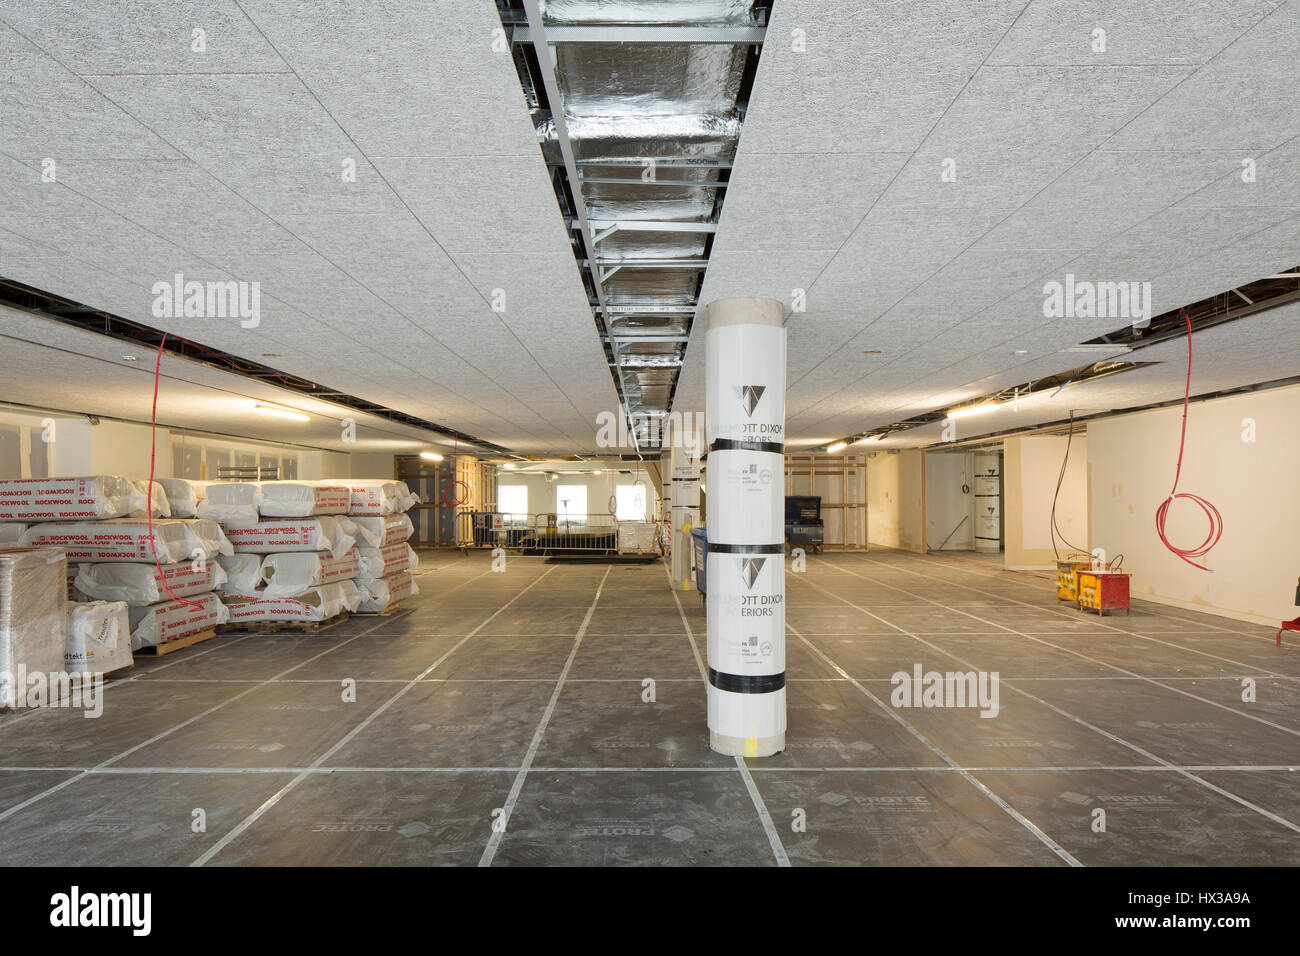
(1067, 579)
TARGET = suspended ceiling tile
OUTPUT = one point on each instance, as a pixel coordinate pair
(1061, 32)
(100, 36)
(1238, 100)
(47, 112)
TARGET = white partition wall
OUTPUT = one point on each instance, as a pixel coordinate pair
(745, 431)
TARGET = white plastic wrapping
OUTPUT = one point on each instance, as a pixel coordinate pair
(373, 496)
(243, 573)
(293, 573)
(184, 495)
(231, 502)
(636, 536)
(317, 604)
(745, 604)
(127, 539)
(378, 532)
(325, 533)
(99, 638)
(11, 532)
(381, 593)
(381, 562)
(297, 499)
(142, 503)
(142, 584)
(33, 617)
(64, 499)
(172, 620)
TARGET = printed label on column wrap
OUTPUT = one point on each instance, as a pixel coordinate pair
(746, 612)
(746, 386)
(746, 502)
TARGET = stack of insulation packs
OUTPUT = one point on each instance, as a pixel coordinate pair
(32, 621)
(378, 510)
(102, 525)
(294, 556)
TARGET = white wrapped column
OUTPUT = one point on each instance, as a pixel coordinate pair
(988, 503)
(745, 592)
(684, 446)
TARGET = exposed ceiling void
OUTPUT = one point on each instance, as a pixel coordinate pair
(144, 340)
(1248, 299)
(372, 167)
(1125, 165)
(638, 108)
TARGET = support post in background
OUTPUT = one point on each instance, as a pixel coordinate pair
(684, 445)
(745, 609)
(988, 503)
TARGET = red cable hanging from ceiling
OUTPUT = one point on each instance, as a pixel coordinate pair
(455, 492)
(1211, 513)
(148, 507)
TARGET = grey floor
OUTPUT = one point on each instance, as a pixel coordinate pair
(568, 701)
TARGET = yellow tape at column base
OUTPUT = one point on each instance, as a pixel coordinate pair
(751, 746)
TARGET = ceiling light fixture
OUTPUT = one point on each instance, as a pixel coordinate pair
(838, 446)
(128, 358)
(972, 410)
(279, 412)
(430, 456)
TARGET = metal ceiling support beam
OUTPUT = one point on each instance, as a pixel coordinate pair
(734, 36)
(654, 337)
(608, 226)
(662, 162)
(637, 181)
(652, 263)
(653, 309)
(546, 65)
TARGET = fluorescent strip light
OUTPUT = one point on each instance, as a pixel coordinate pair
(279, 412)
(972, 410)
(838, 446)
(430, 456)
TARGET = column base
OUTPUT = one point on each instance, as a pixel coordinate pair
(746, 746)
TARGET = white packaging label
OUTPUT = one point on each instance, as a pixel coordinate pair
(745, 610)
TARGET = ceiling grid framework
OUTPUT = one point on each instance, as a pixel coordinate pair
(638, 108)
(1066, 161)
(384, 286)
(1118, 165)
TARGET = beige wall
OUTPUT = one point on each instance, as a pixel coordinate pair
(122, 448)
(1131, 462)
(896, 500)
(883, 510)
(946, 504)
(542, 497)
(1032, 465)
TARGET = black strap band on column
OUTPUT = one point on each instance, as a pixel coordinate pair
(745, 683)
(729, 444)
(716, 547)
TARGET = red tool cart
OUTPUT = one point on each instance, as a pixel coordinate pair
(1103, 591)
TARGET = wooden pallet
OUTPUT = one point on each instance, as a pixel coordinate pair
(170, 647)
(393, 608)
(279, 627)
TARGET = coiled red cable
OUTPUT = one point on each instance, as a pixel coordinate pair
(1211, 512)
